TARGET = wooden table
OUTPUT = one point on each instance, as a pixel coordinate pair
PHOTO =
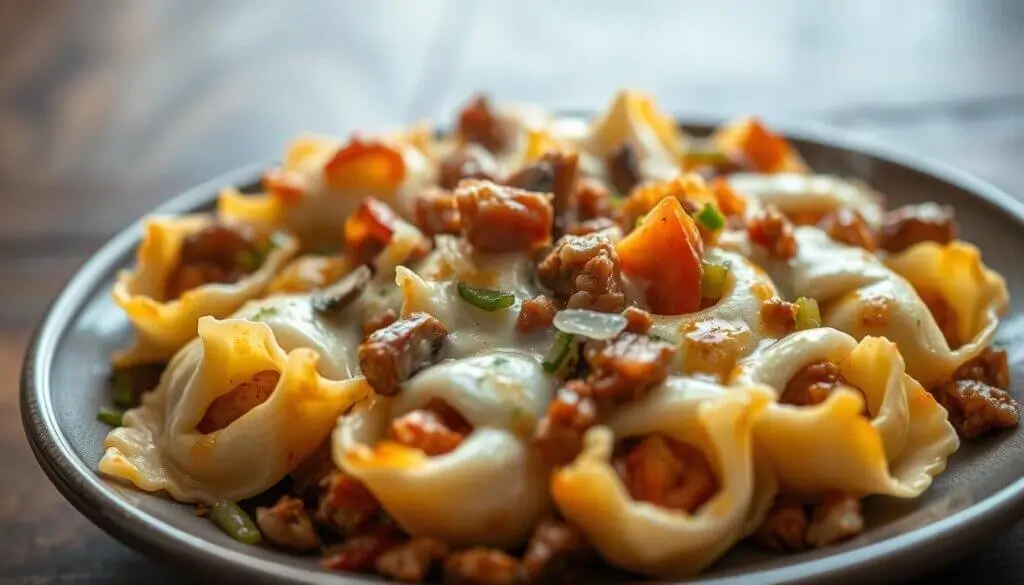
(108, 108)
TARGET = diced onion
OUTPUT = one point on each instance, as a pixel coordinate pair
(808, 316)
(592, 324)
(714, 280)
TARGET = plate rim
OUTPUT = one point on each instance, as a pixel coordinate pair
(88, 492)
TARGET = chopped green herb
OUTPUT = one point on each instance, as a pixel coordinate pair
(486, 299)
(639, 221)
(235, 522)
(710, 217)
(499, 361)
(558, 353)
(655, 337)
(713, 280)
(263, 313)
(110, 416)
(807, 314)
(124, 396)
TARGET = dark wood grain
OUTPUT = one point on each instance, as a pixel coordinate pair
(107, 108)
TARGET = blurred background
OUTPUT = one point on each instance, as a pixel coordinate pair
(109, 107)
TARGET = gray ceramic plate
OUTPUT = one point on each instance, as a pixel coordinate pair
(982, 493)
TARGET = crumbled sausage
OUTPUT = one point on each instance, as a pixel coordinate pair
(411, 561)
(379, 321)
(638, 320)
(435, 429)
(591, 226)
(770, 228)
(591, 199)
(555, 550)
(287, 524)
(436, 211)
(229, 407)
(912, 224)
(836, 518)
(945, 317)
(219, 253)
(626, 367)
(778, 317)
(623, 167)
(666, 472)
(555, 172)
(345, 504)
(784, 529)
(990, 367)
(470, 161)
(478, 123)
(584, 271)
(846, 225)
(498, 218)
(812, 384)
(559, 435)
(976, 408)
(536, 313)
(482, 566)
(359, 553)
(389, 356)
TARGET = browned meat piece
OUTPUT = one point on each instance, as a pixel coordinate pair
(435, 211)
(554, 173)
(945, 317)
(411, 561)
(584, 271)
(470, 161)
(555, 551)
(770, 229)
(784, 529)
(638, 320)
(227, 408)
(976, 408)
(812, 384)
(778, 317)
(482, 566)
(627, 367)
(590, 226)
(990, 367)
(478, 123)
(592, 200)
(359, 553)
(666, 472)
(219, 253)
(846, 225)
(379, 321)
(345, 504)
(623, 167)
(287, 524)
(497, 218)
(435, 429)
(911, 224)
(559, 435)
(390, 355)
(536, 313)
(836, 518)
(369, 229)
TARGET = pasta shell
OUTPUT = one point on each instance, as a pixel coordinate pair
(809, 196)
(492, 489)
(160, 448)
(633, 118)
(642, 537)
(163, 327)
(832, 446)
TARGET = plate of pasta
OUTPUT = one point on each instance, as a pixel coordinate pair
(527, 347)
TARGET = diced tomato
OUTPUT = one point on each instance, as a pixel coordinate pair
(365, 166)
(369, 229)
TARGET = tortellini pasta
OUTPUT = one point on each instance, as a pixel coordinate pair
(806, 198)
(492, 489)
(276, 408)
(646, 538)
(714, 339)
(886, 435)
(163, 326)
